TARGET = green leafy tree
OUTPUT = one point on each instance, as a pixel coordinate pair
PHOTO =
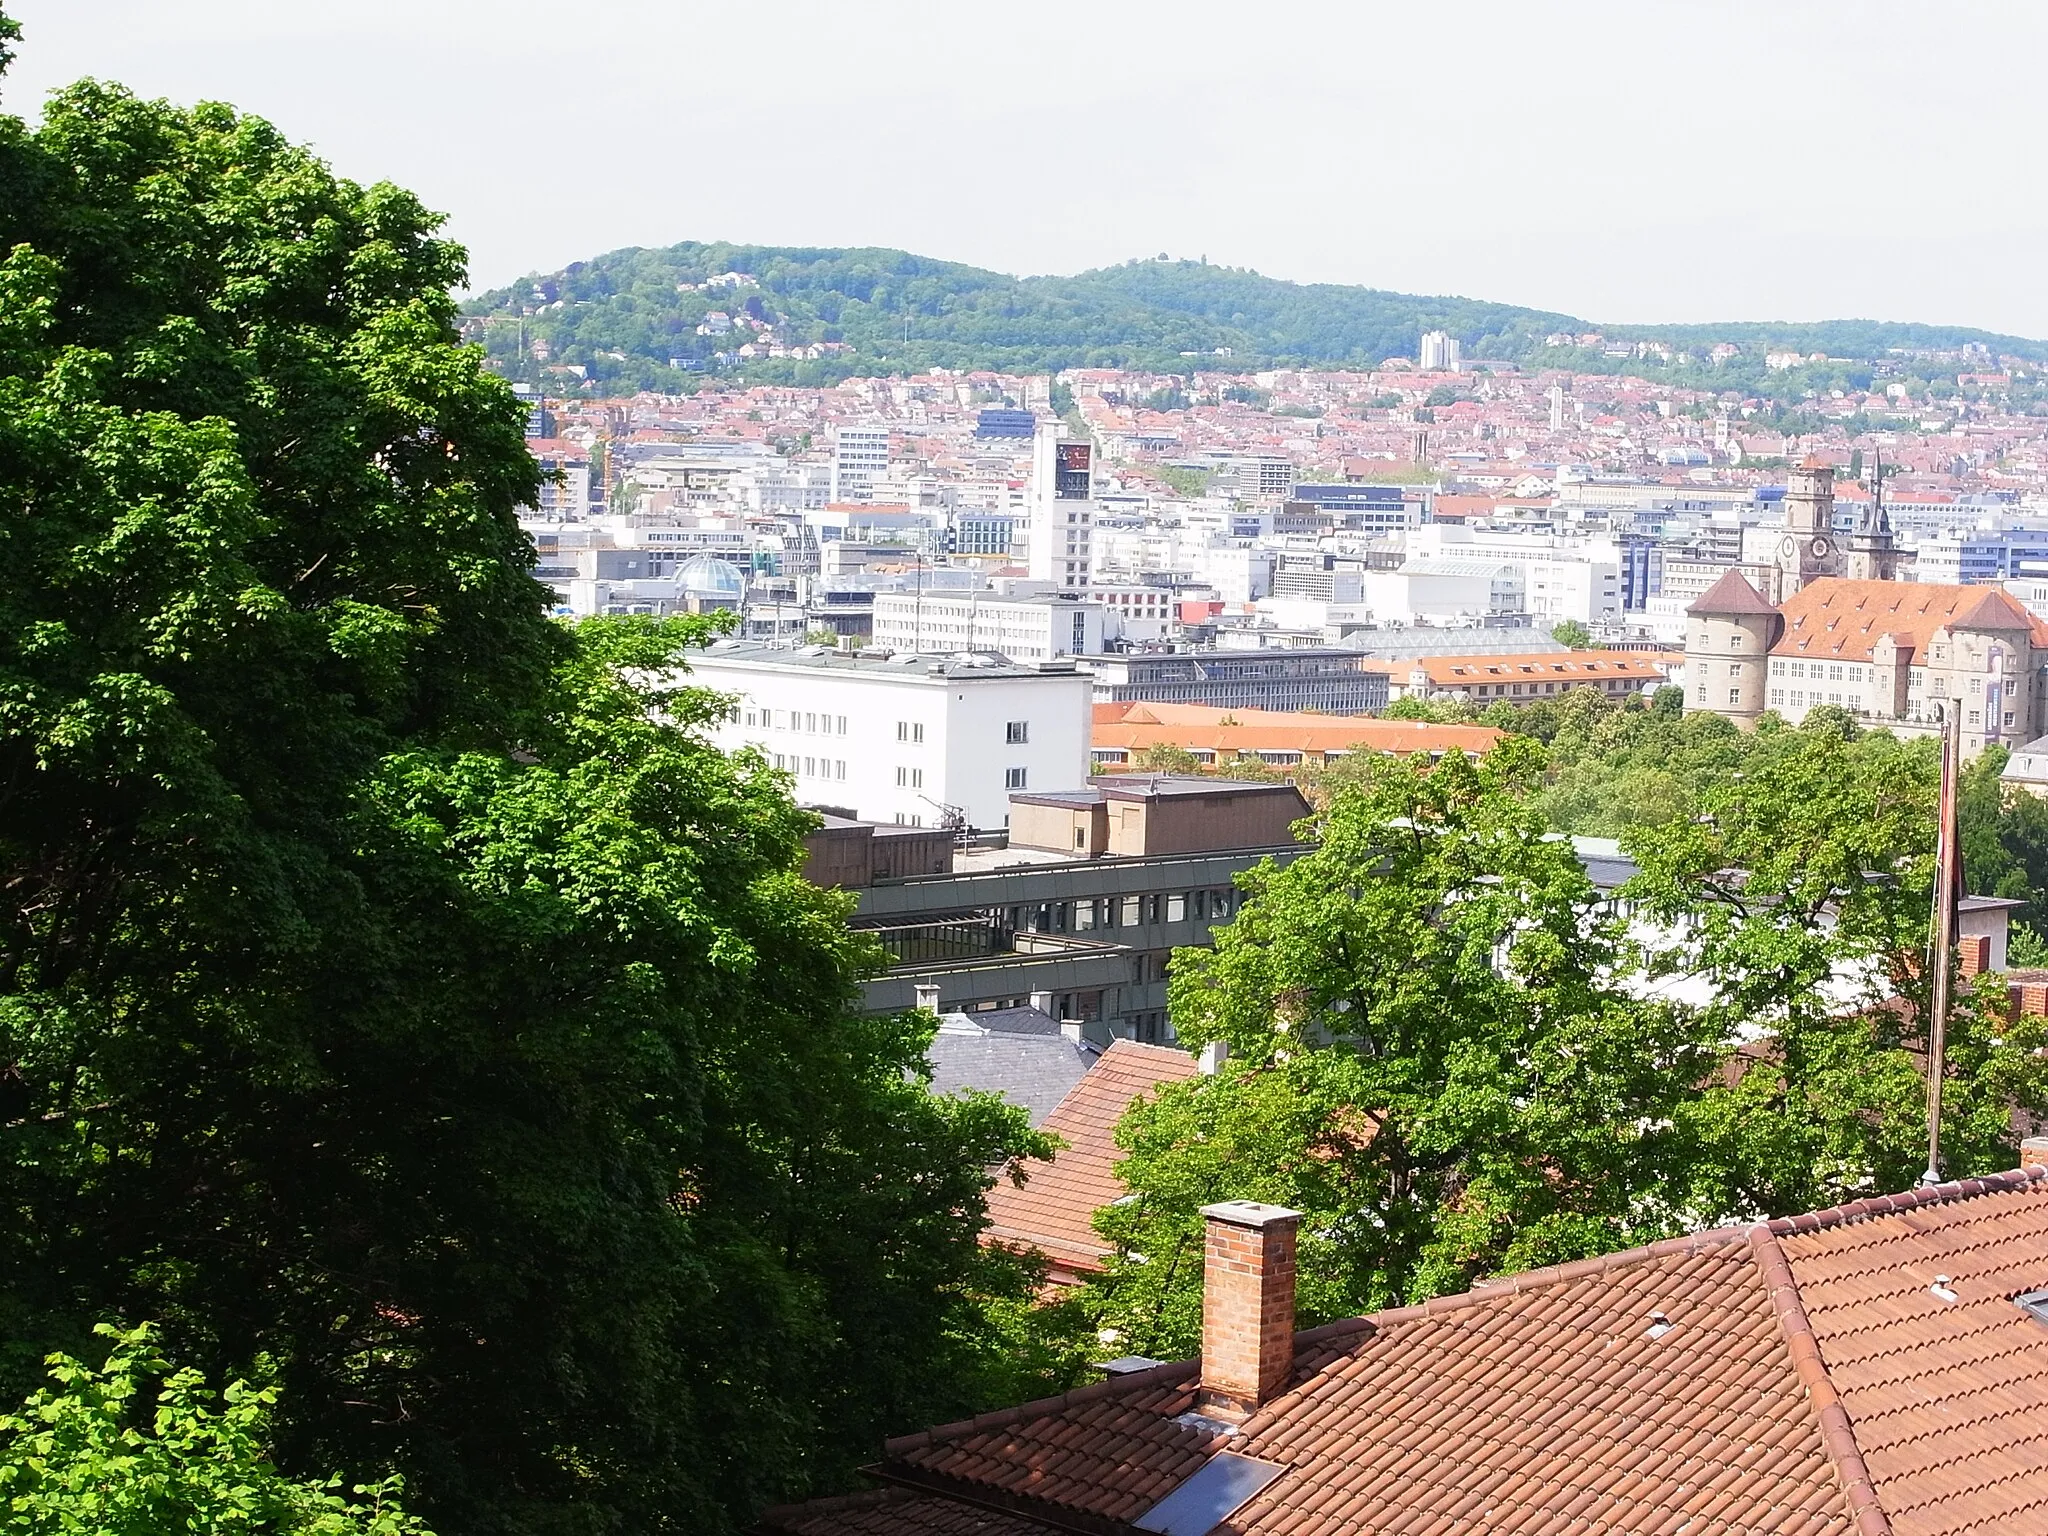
(1797, 896)
(1573, 636)
(137, 1448)
(394, 985)
(1428, 1056)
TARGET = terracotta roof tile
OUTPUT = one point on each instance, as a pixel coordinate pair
(1810, 1383)
(1843, 620)
(1054, 1208)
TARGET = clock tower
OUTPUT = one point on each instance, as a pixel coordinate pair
(1809, 549)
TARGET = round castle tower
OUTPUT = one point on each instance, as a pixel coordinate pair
(1728, 636)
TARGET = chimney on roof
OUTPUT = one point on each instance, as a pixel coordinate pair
(2034, 1152)
(1214, 1054)
(926, 995)
(1247, 1307)
(1070, 1031)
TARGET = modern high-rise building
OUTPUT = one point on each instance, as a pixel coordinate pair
(1062, 509)
(1441, 353)
(860, 457)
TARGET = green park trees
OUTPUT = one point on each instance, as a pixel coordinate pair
(397, 993)
(1457, 1059)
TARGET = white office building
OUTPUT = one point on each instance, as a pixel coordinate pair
(1062, 510)
(860, 458)
(908, 740)
(1022, 628)
(1441, 353)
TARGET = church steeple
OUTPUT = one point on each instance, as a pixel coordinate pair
(1873, 553)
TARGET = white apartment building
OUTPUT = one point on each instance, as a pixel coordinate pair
(860, 457)
(908, 739)
(1441, 353)
(1025, 629)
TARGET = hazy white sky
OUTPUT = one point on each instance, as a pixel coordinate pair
(1639, 160)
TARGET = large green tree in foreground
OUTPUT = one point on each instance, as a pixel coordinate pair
(395, 989)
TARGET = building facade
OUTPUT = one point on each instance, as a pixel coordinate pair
(909, 740)
(1335, 682)
(1025, 629)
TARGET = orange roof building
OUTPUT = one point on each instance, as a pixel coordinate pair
(1878, 1369)
(1524, 678)
(1054, 1208)
(1216, 736)
(1889, 652)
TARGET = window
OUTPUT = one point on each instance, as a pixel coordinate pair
(810, 722)
(1734, 695)
(1834, 674)
(839, 768)
(1017, 733)
(1735, 669)
(810, 767)
(909, 730)
(1080, 837)
(1777, 695)
(842, 726)
(910, 778)
(1013, 778)
(2008, 719)
(1177, 908)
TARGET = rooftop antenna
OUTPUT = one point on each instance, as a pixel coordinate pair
(1948, 880)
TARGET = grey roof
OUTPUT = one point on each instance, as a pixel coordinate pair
(1412, 643)
(2029, 763)
(1032, 1071)
(960, 666)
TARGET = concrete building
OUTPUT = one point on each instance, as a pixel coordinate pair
(1335, 682)
(908, 740)
(1026, 629)
(1062, 510)
(860, 458)
(1083, 931)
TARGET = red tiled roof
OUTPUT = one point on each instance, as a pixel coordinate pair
(1731, 594)
(895, 1512)
(1843, 620)
(1809, 1382)
(1053, 1209)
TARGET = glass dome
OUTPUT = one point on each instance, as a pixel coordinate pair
(707, 575)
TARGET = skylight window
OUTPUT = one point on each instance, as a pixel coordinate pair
(2034, 1304)
(1225, 1483)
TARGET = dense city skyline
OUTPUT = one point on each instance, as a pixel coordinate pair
(1821, 161)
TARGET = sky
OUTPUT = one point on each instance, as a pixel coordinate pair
(1629, 162)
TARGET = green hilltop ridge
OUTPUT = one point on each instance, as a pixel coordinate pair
(640, 318)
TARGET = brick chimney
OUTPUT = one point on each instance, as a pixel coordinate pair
(2034, 1152)
(1247, 1307)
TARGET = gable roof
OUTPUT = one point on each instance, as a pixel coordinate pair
(1843, 620)
(1053, 1209)
(1031, 1070)
(1809, 1382)
(1732, 594)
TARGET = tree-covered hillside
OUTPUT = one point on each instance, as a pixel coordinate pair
(657, 318)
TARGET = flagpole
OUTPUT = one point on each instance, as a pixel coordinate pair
(1947, 878)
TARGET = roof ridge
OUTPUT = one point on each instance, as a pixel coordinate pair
(1837, 1433)
(1906, 1200)
(1157, 1375)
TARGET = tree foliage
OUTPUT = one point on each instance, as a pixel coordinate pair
(396, 986)
(1429, 1055)
(137, 1448)
(1457, 1060)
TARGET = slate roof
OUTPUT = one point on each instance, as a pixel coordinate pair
(1054, 1206)
(1032, 1071)
(1809, 1382)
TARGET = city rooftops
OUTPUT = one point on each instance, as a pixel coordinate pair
(960, 666)
(1137, 786)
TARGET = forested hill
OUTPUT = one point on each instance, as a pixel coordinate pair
(632, 318)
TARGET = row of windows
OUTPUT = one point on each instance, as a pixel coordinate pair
(1208, 906)
(812, 767)
(806, 720)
